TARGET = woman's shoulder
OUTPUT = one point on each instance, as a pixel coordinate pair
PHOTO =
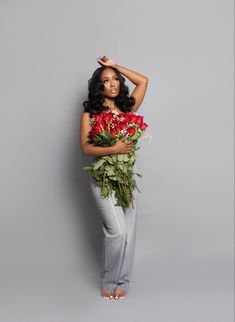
(86, 117)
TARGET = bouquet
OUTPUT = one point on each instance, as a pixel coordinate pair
(115, 172)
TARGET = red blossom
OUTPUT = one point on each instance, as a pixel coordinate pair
(116, 123)
(131, 130)
(113, 133)
(97, 117)
(139, 119)
(143, 126)
(134, 118)
(97, 128)
(128, 117)
(107, 117)
(121, 126)
(106, 127)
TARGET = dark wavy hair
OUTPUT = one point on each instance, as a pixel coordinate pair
(94, 104)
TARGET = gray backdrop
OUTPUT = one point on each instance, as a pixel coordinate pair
(50, 231)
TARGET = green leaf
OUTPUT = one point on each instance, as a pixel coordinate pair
(108, 135)
(110, 160)
(99, 164)
(135, 136)
(120, 157)
(87, 168)
(110, 173)
(126, 158)
(120, 166)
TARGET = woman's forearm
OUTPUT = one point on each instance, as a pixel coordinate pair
(90, 149)
(134, 77)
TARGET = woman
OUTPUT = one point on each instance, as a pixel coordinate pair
(108, 92)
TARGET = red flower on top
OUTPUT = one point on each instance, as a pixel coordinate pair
(117, 125)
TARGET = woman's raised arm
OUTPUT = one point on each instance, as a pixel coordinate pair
(136, 78)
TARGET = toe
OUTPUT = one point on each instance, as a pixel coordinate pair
(106, 294)
(120, 293)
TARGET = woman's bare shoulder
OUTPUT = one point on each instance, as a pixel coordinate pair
(86, 119)
(85, 115)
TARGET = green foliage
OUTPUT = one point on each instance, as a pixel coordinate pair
(115, 173)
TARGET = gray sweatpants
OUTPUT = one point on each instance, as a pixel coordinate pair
(119, 228)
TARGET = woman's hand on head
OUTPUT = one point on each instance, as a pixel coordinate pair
(123, 146)
(105, 61)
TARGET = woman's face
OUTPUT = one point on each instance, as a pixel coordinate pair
(111, 82)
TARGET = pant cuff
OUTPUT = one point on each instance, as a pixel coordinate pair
(110, 287)
(124, 286)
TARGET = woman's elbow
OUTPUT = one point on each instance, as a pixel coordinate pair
(146, 79)
(85, 149)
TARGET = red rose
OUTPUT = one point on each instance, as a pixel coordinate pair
(113, 133)
(131, 130)
(97, 128)
(115, 122)
(107, 117)
(106, 127)
(128, 117)
(134, 118)
(122, 126)
(119, 128)
(97, 117)
(143, 126)
(91, 133)
(139, 119)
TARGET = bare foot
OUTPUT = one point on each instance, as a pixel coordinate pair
(106, 294)
(119, 293)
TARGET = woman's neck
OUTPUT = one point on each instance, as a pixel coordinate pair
(111, 104)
